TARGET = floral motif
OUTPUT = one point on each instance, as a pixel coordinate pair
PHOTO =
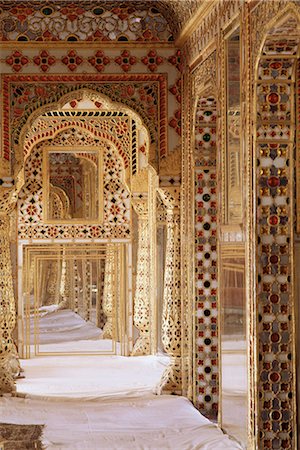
(126, 60)
(21, 12)
(53, 232)
(121, 128)
(21, 95)
(99, 61)
(31, 210)
(176, 60)
(123, 13)
(175, 122)
(148, 35)
(152, 60)
(72, 60)
(176, 90)
(127, 91)
(16, 60)
(44, 60)
(72, 11)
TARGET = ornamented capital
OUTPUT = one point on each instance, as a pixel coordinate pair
(8, 200)
(139, 182)
(206, 74)
(140, 205)
(171, 164)
(170, 197)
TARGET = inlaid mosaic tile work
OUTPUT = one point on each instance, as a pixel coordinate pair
(139, 92)
(206, 258)
(119, 129)
(205, 133)
(116, 222)
(147, 92)
(84, 21)
(298, 149)
(275, 94)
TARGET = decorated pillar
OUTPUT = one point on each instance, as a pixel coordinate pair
(108, 293)
(75, 302)
(88, 293)
(141, 298)
(53, 278)
(65, 288)
(8, 354)
(171, 381)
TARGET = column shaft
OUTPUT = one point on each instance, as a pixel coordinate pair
(108, 293)
(171, 381)
(8, 353)
(141, 298)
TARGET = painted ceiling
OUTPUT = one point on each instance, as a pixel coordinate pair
(176, 12)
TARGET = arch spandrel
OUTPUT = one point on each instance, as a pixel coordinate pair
(105, 121)
(51, 89)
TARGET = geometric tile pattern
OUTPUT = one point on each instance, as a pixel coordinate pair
(205, 132)
(206, 358)
(275, 214)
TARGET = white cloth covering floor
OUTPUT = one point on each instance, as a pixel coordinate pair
(62, 325)
(90, 376)
(107, 403)
(140, 423)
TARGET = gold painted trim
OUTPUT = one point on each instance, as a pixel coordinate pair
(204, 9)
(277, 20)
(24, 45)
(207, 51)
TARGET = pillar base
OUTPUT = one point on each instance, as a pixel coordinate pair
(171, 380)
(7, 383)
(107, 330)
(141, 346)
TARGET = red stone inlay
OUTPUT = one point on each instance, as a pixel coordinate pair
(276, 415)
(126, 61)
(44, 60)
(274, 259)
(16, 60)
(273, 98)
(99, 61)
(275, 376)
(276, 65)
(274, 298)
(152, 60)
(9, 80)
(72, 60)
(275, 337)
(176, 60)
(273, 220)
(273, 181)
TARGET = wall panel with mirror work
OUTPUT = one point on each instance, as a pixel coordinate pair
(73, 185)
(233, 342)
(233, 120)
(74, 300)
